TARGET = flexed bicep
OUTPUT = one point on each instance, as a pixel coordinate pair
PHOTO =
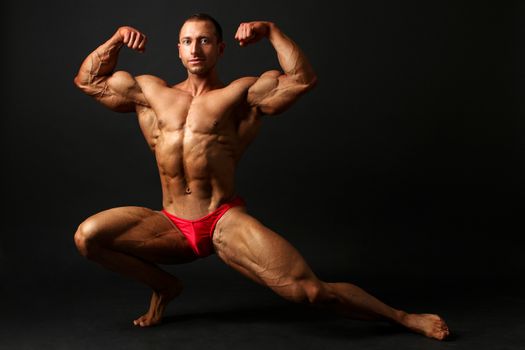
(96, 77)
(274, 92)
(120, 92)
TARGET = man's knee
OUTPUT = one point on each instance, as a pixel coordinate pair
(312, 292)
(86, 238)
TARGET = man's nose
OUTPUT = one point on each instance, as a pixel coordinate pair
(195, 47)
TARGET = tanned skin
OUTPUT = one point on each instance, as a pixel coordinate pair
(198, 130)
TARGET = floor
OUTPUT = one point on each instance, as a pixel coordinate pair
(85, 307)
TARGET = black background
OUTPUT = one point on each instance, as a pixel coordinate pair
(407, 160)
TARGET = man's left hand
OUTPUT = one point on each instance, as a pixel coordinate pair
(252, 32)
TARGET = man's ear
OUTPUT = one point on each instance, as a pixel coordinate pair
(222, 45)
(178, 47)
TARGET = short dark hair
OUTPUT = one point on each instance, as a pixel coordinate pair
(206, 17)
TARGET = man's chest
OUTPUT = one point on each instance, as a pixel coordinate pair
(206, 114)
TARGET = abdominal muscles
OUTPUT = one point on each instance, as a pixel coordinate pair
(195, 165)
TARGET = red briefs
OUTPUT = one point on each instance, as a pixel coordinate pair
(200, 232)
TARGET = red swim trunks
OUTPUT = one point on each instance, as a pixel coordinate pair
(200, 232)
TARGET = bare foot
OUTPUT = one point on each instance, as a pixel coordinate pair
(430, 325)
(158, 303)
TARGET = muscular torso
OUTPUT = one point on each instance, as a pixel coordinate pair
(197, 141)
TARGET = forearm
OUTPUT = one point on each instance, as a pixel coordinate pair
(100, 64)
(291, 58)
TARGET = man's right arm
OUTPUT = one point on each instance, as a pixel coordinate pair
(119, 91)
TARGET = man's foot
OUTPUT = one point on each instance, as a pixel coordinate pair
(158, 303)
(429, 325)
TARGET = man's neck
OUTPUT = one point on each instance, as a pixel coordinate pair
(199, 84)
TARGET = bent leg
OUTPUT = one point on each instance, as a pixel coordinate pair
(245, 244)
(130, 241)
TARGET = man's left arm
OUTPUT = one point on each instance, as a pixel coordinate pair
(274, 92)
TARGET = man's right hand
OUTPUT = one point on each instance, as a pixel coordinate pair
(132, 38)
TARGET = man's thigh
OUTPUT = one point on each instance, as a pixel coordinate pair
(248, 246)
(139, 231)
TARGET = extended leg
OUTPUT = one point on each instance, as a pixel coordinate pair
(130, 240)
(352, 301)
(248, 246)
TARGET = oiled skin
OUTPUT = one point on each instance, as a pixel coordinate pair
(198, 130)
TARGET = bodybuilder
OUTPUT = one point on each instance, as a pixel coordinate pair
(198, 130)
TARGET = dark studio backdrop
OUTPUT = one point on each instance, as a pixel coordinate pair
(406, 161)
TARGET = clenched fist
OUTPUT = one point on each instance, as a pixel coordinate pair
(252, 32)
(132, 38)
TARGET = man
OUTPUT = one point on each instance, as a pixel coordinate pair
(198, 130)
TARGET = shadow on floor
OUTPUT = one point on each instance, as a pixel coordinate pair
(303, 319)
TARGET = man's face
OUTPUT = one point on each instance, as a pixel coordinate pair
(198, 47)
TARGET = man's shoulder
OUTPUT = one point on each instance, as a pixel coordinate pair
(239, 86)
(243, 82)
(251, 80)
(147, 80)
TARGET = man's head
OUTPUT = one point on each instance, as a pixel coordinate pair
(200, 43)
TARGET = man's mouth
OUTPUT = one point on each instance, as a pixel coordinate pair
(196, 60)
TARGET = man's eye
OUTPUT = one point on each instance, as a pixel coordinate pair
(185, 42)
(204, 40)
